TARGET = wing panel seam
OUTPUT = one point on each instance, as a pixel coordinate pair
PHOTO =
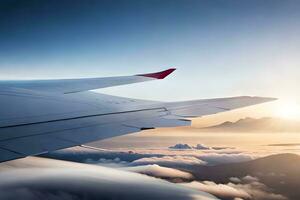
(81, 117)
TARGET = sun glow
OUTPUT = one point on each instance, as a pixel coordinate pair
(288, 110)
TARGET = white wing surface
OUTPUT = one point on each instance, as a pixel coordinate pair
(42, 116)
(66, 86)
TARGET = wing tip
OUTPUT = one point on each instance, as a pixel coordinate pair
(159, 75)
(266, 99)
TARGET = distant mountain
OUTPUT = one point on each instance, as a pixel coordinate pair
(279, 172)
(257, 125)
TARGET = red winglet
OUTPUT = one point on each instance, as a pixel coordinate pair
(159, 75)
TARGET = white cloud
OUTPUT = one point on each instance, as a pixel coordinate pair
(258, 191)
(220, 190)
(170, 161)
(201, 147)
(247, 188)
(221, 158)
(181, 146)
(115, 163)
(160, 172)
(249, 178)
(235, 179)
(39, 178)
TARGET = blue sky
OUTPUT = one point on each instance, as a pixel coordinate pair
(221, 48)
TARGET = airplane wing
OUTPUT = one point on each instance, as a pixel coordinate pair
(41, 116)
(66, 86)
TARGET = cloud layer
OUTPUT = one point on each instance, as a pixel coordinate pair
(161, 172)
(170, 165)
(247, 187)
(171, 161)
(181, 146)
(54, 180)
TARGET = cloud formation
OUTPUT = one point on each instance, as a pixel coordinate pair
(171, 161)
(247, 187)
(163, 157)
(250, 179)
(56, 180)
(201, 147)
(161, 172)
(223, 158)
(235, 179)
(220, 190)
(186, 159)
(181, 147)
(114, 163)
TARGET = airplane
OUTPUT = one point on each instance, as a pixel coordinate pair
(39, 116)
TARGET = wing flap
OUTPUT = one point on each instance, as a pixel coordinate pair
(158, 122)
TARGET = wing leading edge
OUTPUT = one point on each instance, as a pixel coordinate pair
(66, 86)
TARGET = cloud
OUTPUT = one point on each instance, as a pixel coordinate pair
(171, 161)
(161, 157)
(245, 179)
(207, 158)
(247, 187)
(161, 172)
(114, 163)
(250, 179)
(220, 190)
(181, 146)
(221, 148)
(201, 147)
(168, 160)
(235, 179)
(258, 191)
(223, 158)
(38, 178)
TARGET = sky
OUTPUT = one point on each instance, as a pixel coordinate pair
(220, 48)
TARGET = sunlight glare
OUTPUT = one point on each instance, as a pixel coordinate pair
(288, 110)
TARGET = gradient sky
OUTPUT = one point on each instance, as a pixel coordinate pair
(221, 48)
